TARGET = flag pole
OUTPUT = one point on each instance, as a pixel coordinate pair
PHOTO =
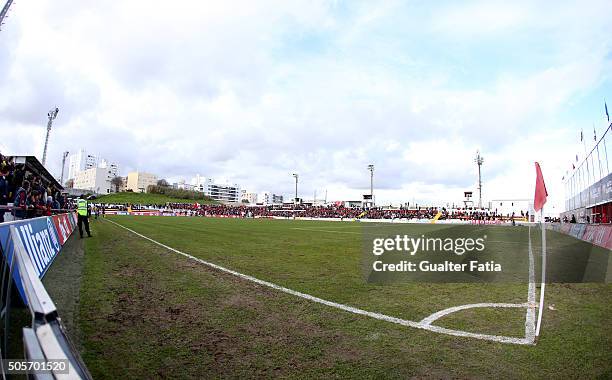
(585, 157)
(541, 308)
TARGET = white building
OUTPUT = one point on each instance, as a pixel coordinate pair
(112, 167)
(268, 198)
(79, 161)
(223, 192)
(251, 198)
(182, 185)
(138, 182)
(96, 180)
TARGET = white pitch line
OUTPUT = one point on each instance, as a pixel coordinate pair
(435, 316)
(350, 309)
(530, 318)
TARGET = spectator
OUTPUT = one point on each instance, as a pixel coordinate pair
(34, 200)
(56, 204)
(49, 206)
(4, 189)
(20, 202)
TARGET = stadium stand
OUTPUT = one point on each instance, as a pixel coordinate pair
(309, 211)
(588, 187)
(28, 190)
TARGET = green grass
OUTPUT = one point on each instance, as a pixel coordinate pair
(144, 198)
(146, 312)
(63, 282)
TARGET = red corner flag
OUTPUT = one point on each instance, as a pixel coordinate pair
(540, 191)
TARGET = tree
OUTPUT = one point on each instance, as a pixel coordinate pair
(117, 182)
(69, 184)
(163, 183)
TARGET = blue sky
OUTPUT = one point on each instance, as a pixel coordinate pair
(254, 91)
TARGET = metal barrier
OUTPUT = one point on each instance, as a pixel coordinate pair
(45, 340)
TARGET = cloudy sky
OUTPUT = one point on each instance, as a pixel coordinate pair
(254, 91)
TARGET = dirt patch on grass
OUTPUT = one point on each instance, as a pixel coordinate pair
(161, 302)
(63, 282)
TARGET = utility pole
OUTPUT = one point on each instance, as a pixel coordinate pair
(64, 155)
(479, 160)
(371, 169)
(52, 115)
(296, 183)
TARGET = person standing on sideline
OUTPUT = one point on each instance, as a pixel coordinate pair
(20, 203)
(4, 191)
(82, 217)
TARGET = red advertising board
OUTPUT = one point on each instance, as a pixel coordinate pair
(600, 235)
(63, 227)
(603, 236)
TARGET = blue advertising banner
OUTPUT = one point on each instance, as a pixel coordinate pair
(73, 219)
(41, 241)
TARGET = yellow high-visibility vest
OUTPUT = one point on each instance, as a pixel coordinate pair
(82, 207)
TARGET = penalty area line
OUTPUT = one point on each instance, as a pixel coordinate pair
(350, 309)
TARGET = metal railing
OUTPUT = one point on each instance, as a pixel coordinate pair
(45, 340)
(583, 187)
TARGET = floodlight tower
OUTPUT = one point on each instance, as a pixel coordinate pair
(479, 160)
(4, 11)
(295, 175)
(52, 115)
(64, 156)
(371, 169)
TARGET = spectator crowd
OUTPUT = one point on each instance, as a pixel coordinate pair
(314, 211)
(25, 195)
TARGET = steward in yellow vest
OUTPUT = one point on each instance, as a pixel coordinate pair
(82, 216)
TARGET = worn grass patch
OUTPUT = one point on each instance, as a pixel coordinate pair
(492, 321)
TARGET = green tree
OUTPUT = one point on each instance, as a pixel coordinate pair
(117, 182)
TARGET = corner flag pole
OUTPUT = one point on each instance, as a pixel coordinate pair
(543, 285)
(539, 199)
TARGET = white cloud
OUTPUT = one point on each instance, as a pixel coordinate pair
(254, 91)
(483, 19)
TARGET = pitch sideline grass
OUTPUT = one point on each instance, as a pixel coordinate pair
(124, 274)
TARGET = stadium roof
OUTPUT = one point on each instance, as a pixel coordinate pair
(33, 165)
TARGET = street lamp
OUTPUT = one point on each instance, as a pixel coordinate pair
(296, 183)
(4, 11)
(371, 169)
(52, 115)
(478, 161)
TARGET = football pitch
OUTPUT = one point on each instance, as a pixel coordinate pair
(202, 297)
